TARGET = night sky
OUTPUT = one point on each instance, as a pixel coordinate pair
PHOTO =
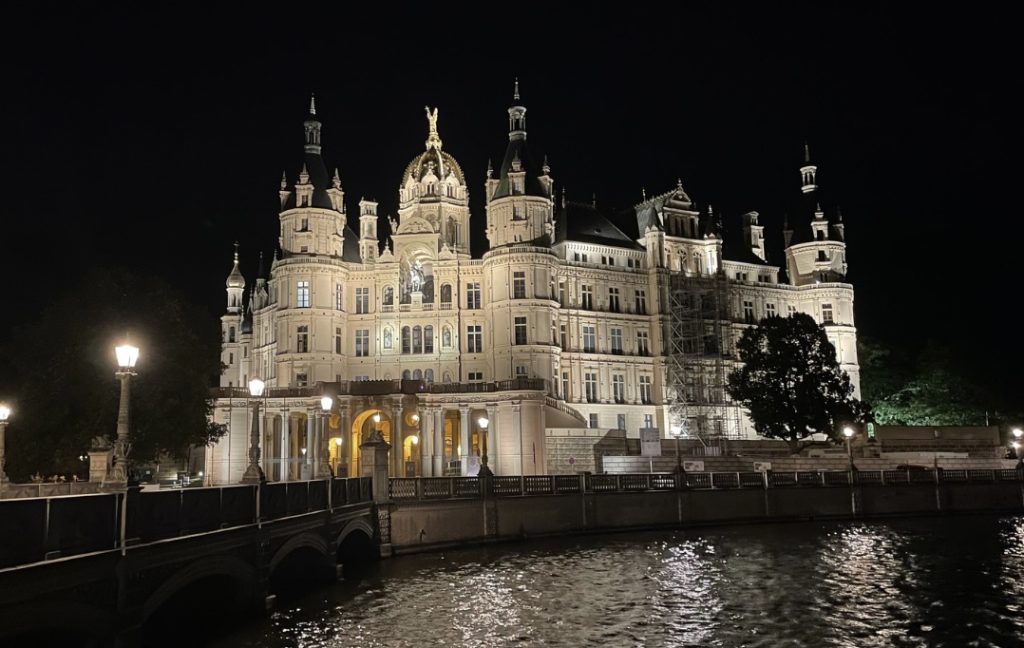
(155, 141)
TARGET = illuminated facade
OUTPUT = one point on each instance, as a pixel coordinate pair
(455, 360)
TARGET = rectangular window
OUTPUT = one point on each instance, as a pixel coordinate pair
(613, 300)
(589, 339)
(619, 388)
(648, 420)
(521, 371)
(620, 421)
(337, 341)
(791, 310)
(641, 302)
(826, 313)
(302, 339)
(561, 293)
(645, 390)
(362, 300)
(474, 339)
(587, 298)
(475, 376)
(301, 379)
(769, 310)
(518, 285)
(563, 337)
(302, 299)
(565, 385)
(231, 358)
(362, 343)
(590, 385)
(520, 330)
(473, 296)
(593, 421)
(337, 297)
(748, 311)
(642, 346)
(360, 378)
(616, 335)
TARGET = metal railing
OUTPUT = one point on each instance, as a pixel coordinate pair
(425, 488)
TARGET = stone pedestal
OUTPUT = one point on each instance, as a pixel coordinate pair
(375, 466)
(99, 464)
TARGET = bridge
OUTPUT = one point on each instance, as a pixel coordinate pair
(111, 567)
(97, 569)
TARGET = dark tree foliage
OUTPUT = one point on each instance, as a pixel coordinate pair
(792, 383)
(62, 368)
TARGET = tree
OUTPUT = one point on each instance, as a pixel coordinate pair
(791, 381)
(63, 373)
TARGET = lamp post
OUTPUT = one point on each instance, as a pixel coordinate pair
(5, 413)
(337, 451)
(323, 470)
(127, 356)
(253, 473)
(1017, 434)
(678, 433)
(848, 434)
(485, 469)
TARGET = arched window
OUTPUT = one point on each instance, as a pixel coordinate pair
(387, 338)
(406, 375)
(417, 375)
(446, 338)
(406, 340)
(417, 340)
(446, 294)
(428, 375)
(231, 334)
(447, 377)
(389, 296)
(428, 339)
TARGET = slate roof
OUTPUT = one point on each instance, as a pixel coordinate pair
(584, 223)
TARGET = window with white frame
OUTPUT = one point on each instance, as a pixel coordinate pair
(518, 285)
(362, 343)
(593, 421)
(587, 297)
(619, 388)
(520, 330)
(362, 300)
(302, 294)
(474, 338)
(642, 343)
(475, 376)
(565, 385)
(769, 310)
(563, 338)
(748, 311)
(641, 302)
(826, 313)
(790, 310)
(589, 339)
(337, 296)
(301, 379)
(521, 371)
(473, 296)
(645, 390)
(616, 338)
(590, 386)
(302, 339)
(648, 420)
(613, 299)
(337, 340)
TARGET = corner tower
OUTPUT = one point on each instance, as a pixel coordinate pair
(816, 248)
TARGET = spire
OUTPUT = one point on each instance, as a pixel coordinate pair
(304, 175)
(490, 168)
(284, 181)
(807, 153)
(312, 126)
(563, 196)
(236, 253)
(808, 173)
(643, 194)
(235, 285)
(336, 181)
(516, 117)
(546, 168)
(839, 214)
(260, 270)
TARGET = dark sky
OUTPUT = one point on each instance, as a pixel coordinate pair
(154, 141)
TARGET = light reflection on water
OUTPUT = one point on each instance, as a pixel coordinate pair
(928, 582)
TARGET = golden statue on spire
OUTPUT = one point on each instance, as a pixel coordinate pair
(433, 139)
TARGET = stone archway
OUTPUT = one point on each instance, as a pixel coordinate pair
(362, 426)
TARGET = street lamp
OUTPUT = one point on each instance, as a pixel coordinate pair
(253, 473)
(678, 432)
(337, 450)
(848, 434)
(5, 413)
(324, 467)
(127, 356)
(485, 469)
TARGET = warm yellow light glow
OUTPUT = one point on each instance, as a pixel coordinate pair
(325, 403)
(338, 441)
(376, 417)
(415, 418)
(483, 422)
(414, 439)
(256, 387)
(127, 355)
(1017, 432)
(5, 412)
(303, 450)
(848, 432)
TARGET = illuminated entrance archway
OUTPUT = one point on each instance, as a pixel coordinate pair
(363, 425)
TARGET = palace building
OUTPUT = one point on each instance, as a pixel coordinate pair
(567, 327)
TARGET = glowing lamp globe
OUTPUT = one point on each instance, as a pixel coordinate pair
(5, 412)
(256, 387)
(127, 356)
(483, 422)
(325, 403)
(848, 432)
(1017, 433)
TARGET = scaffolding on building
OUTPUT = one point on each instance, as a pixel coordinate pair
(700, 357)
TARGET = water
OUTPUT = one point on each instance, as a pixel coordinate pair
(925, 582)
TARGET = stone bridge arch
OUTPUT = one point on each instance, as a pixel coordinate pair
(236, 569)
